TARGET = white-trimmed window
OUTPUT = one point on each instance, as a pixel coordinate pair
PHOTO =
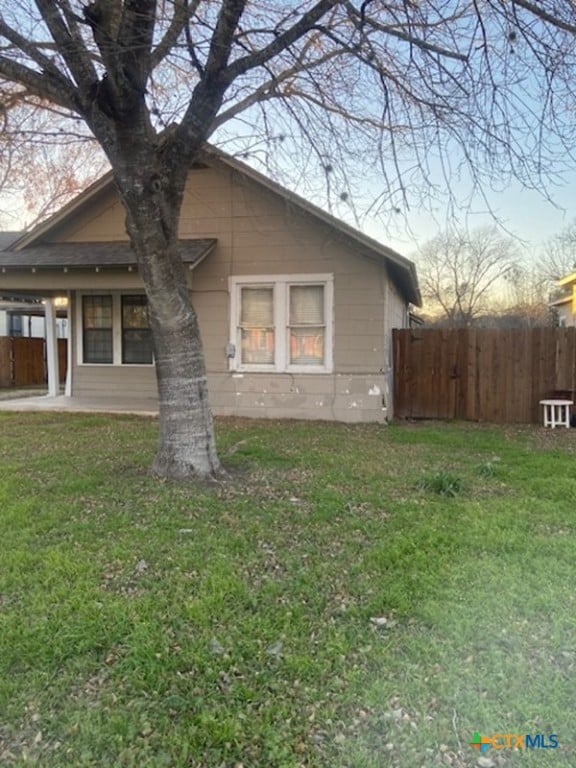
(114, 329)
(97, 332)
(282, 323)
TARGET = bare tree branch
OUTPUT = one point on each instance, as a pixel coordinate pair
(551, 17)
(180, 18)
(69, 43)
(282, 42)
(43, 85)
(398, 30)
(223, 37)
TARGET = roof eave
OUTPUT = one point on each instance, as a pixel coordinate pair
(559, 302)
(191, 260)
(571, 278)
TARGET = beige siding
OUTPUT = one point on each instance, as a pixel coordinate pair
(125, 381)
(326, 397)
(103, 221)
(258, 233)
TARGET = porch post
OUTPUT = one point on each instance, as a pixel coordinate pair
(52, 348)
(69, 336)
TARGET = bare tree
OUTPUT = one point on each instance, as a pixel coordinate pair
(527, 297)
(459, 273)
(415, 90)
(559, 256)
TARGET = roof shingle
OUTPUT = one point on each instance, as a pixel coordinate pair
(92, 255)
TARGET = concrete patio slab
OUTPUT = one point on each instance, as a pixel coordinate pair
(80, 405)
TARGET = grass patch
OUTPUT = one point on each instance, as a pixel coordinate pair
(321, 607)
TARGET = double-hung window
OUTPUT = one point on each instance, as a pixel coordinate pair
(282, 323)
(97, 332)
(256, 324)
(115, 329)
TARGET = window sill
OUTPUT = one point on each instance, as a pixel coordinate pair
(287, 371)
(115, 365)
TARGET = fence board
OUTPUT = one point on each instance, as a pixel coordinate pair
(5, 364)
(481, 374)
(62, 359)
(28, 361)
(23, 361)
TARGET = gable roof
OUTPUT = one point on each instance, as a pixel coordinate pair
(402, 271)
(565, 292)
(567, 279)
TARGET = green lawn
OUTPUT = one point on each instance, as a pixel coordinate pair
(350, 597)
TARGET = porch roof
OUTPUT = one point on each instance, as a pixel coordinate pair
(92, 255)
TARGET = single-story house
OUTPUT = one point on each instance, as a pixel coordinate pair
(565, 303)
(296, 308)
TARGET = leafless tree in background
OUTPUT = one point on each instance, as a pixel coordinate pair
(559, 256)
(460, 273)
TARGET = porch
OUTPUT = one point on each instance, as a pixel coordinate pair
(66, 403)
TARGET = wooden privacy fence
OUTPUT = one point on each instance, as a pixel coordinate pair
(481, 375)
(23, 361)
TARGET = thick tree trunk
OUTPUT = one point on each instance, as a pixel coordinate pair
(186, 444)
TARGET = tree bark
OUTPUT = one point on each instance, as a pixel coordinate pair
(186, 445)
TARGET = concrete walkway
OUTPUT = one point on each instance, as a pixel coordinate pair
(80, 405)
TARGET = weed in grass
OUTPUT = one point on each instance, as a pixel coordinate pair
(443, 483)
(489, 469)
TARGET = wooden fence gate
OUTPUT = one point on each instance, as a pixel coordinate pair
(23, 361)
(481, 374)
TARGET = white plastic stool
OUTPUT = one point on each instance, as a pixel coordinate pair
(556, 412)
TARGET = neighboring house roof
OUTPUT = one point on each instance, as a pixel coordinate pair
(566, 289)
(401, 270)
(93, 255)
(568, 279)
